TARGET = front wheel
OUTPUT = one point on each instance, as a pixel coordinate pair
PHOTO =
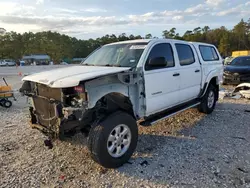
(208, 101)
(113, 141)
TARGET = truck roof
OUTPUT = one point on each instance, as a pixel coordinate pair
(131, 41)
(157, 40)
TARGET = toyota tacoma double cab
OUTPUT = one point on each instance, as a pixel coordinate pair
(120, 84)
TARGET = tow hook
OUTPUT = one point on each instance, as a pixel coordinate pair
(48, 143)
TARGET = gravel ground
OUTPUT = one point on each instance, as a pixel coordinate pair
(188, 150)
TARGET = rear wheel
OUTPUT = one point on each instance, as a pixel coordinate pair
(113, 141)
(208, 101)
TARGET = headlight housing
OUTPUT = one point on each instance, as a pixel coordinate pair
(76, 96)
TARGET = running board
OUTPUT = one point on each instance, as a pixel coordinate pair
(168, 113)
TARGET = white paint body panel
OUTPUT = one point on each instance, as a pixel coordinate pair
(164, 91)
(190, 80)
(71, 76)
(210, 69)
(161, 87)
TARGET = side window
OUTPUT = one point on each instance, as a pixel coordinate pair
(161, 50)
(208, 53)
(242, 61)
(246, 61)
(185, 54)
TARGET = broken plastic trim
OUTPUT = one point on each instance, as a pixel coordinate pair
(243, 89)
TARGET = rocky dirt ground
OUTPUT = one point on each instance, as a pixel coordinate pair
(188, 150)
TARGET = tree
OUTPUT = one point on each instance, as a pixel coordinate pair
(187, 33)
(138, 37)
(197, 30)
(169, 34)
(148, 36)
(224, 45)
(241, 32)
(2, 31)
(205, 29)
(59, 46)
(123, 37)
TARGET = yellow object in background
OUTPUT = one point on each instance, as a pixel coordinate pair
(5, 91)
(241, 53)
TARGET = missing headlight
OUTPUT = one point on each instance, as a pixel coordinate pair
(75, 97)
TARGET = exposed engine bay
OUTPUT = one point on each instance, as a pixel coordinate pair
(54, 108)
(63, 112)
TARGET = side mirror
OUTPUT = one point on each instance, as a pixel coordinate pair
(157, 62)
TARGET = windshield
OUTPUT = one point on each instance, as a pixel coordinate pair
(121, 55)
(241, 61)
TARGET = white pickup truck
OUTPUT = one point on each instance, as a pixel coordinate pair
(7, 62)
(119, 84)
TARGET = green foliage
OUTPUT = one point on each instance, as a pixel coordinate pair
(148, 36)
(58, 46)
(226, 40)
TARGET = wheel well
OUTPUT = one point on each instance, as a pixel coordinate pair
(214, 82)
(105, 106)
(116, 101)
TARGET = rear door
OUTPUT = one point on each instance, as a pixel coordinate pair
(161, 84)
(190, 71)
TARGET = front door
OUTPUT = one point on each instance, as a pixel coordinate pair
(161, 84)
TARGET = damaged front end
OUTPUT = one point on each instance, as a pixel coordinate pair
(235, 78)
(57, 112)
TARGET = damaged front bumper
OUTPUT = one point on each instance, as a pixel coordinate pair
(56, 112)
(65, 121)
(235, 78)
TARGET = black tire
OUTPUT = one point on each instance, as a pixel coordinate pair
(204, 107)
(98, 139)
(7, 103)
(1, 102)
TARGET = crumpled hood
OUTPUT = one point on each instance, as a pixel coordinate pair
(71, 76)
(237, 69)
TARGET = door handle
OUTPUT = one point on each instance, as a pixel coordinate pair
(197, 70)
(176, 74)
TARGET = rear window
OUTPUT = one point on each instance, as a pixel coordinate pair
(208, 53)
(185, 54)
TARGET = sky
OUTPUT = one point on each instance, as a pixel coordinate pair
(86, 19)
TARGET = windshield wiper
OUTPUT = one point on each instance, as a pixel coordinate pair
(109, 65)
(86, 64)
